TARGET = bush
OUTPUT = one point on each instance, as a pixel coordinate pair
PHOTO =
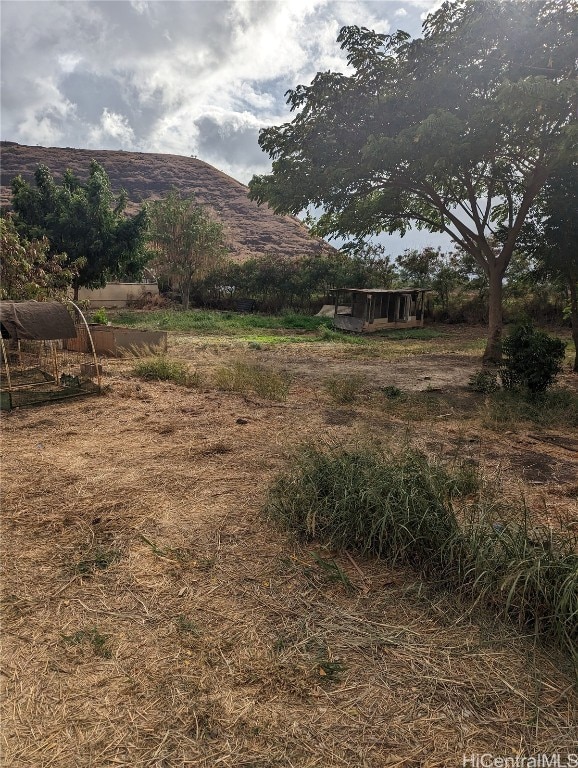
(533, 359)
(100, 317)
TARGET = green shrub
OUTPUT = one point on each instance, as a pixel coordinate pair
(100, 317)
(484, 381)
(532, 359)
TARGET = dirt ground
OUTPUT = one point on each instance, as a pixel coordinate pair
(153, 618)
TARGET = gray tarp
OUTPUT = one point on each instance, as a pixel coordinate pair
(36, 320)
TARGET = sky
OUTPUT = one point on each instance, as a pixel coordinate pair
(198, 77)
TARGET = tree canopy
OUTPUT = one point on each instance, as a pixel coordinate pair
(453, 132)
(188, 241)
(84, 221)
(28, 270)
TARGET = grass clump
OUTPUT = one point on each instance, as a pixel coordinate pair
(395, 507)
(412, 333)
(404, 508)
(525, 573)
(392, 392)
(96, 560)
(330, 334)
(506, 408)
(162, 368)
(253, 377)
(186, 625)
(344, 389)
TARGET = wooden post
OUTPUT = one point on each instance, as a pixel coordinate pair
(6, 364)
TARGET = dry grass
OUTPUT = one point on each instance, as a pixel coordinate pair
(153, 618)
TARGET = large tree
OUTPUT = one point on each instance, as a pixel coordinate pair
(453, 132)
(85, 221)
(187, 239)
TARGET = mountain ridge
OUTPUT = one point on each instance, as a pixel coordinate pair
(252, 230)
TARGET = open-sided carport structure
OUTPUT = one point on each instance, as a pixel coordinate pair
(36, 366)
(377, 309)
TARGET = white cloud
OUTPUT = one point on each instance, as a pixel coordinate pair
(426, 6)
(35, 129)
(140, 6)
(112, 132)
(145, 75)
(68, 62)
(401, 12)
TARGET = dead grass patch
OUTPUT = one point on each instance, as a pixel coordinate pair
(229, 643)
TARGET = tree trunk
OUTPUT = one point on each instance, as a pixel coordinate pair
(493, 351)
(574, 319)
(76, 287)
(186, 293)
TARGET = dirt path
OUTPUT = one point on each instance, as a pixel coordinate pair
(412, 374)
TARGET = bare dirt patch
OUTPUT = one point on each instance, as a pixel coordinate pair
(152, 617)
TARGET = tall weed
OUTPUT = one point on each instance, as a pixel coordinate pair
(556, 407)
(395, 507)
(403, 508)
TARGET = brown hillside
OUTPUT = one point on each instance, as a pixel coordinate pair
(252, 229)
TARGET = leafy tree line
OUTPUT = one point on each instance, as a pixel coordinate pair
(279, 283)
(79, 234)
(458, 290)
(186, 246)
(27, 268)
